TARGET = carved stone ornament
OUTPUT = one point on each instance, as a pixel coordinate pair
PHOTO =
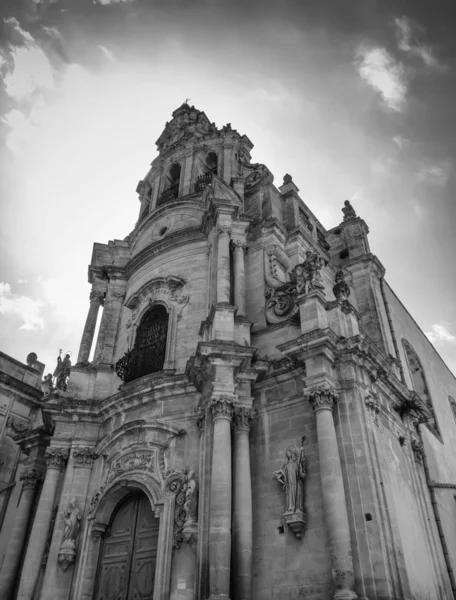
(56, 458)
(96, 296)
(341, 289)
(67, 551)
(167, 289)
(242, 418)
(222, 406)
(349, 211)
(62, 372)
(200, 419)
(93, 505)
(184, 487)
(223, 230)
(84, 457)
(287, 179)
(187, 123)
(256, 174)
(15, 426)
(418, 450)
(306, 275)
(292, 476)
(137, 461)
(31, 478)
(118, 296)
(373, 408)
(321, 397)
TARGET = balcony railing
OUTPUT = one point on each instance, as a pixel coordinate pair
(202, 181)
(170, 193)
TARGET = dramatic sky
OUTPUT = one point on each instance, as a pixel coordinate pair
(354, 98)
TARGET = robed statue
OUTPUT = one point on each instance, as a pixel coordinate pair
(62, 372)
(72, 520)
(306, 275)
(291, 476)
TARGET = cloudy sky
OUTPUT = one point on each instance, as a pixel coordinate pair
(354, 98)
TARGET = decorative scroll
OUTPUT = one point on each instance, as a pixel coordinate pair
(292, 476)
(185, 488)
(67, 551)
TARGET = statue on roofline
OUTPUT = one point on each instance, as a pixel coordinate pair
(62, 371)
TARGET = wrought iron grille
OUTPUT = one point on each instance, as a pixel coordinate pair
(202, 181)
(148, 355)
(170, 193)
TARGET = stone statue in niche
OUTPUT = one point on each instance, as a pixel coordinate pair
(292, 476)
(72, 519)
(62, 372)
(341, 289)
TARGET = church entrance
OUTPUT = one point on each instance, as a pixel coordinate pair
(128, 556)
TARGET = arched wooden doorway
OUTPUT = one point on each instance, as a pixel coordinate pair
(128, 557)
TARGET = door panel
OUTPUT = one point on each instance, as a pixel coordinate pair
(127, 569)
(145, 553)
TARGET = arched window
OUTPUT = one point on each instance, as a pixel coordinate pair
(419, 383)
(171, 184)
(209, 166)
(149, 351)
(211, 163)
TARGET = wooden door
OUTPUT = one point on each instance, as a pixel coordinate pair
(128, 558)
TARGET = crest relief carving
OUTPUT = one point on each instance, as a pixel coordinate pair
(281, 295)
(168, 290)
(141, 460)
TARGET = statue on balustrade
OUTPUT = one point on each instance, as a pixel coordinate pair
(306, 275)
(62, 372)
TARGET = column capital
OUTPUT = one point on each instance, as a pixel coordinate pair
(31, 478)
(56, 458)
(221, 407)
(321, 397)
(223, 230)
(242, 418)
(84, 457)
(239, 246)
(97, 296)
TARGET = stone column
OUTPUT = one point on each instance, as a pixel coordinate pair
(96, 300)
(242, 509)
(75, 486)
(323, 398)
(56, 461)
(30, 481)
(220, 511)
(223, 264)
(239, 275)
(108, 326)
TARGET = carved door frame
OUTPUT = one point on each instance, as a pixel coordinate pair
(91, 546)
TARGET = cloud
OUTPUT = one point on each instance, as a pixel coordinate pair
(384, 74)
(22, 307)
(105, 2)
(52, 32)
(108, 53)
(31, 72)
(436, 174)
(440, 334)
(400, 141)
(19, 35)
(405, 31)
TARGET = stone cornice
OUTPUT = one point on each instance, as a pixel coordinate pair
(369, 260)
(27, 394)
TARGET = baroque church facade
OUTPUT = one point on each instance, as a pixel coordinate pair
(262, 418)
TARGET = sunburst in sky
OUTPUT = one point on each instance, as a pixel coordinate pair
(355, 100)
